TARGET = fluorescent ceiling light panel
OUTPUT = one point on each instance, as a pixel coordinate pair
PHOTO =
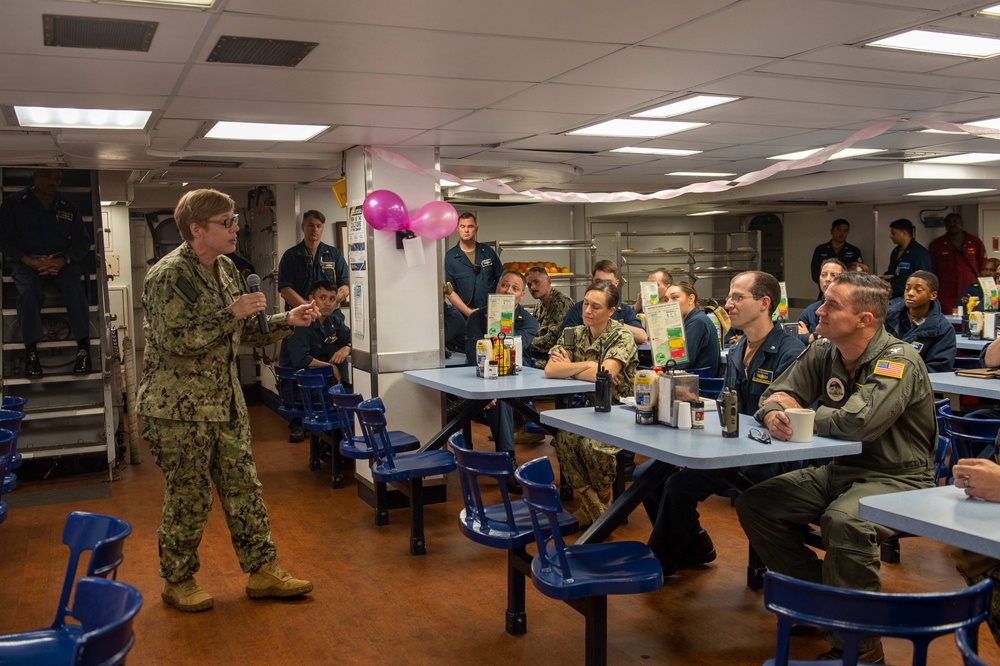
(44, 116)
(963, 158)
(991, 11)
(951, 192)
(696, 103)
(947, 43)
(708, 212)
(700, 174)
(992, 123)
(843, 154)
(637, 150)
(225, 129)
(627, 127)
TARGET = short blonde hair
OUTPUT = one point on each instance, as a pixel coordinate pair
(196, 206)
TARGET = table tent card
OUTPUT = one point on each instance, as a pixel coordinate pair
(989, 286)
(781, 312)
(666, 333)
(500, 315)
(650, 294)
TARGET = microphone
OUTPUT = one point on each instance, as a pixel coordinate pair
(253, 281)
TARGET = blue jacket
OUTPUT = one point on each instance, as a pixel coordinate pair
(623, 313)
(848, 254)
(702, 340)
(319, 340)
(775, 354)
(810, 319)
(934, 339)
(295, 271)
(473, 286)
(525, 325)
(901, 266)
(28, 228)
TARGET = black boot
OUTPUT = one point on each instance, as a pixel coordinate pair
(512, 485)
(315, 448)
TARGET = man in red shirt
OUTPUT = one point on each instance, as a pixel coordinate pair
(955, 260)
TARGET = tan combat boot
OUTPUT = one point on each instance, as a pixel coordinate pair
(187, 596)
(270, 580)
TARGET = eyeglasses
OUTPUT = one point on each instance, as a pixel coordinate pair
(228, 222)
(759, 436)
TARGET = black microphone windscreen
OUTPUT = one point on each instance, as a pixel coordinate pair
(253, 281)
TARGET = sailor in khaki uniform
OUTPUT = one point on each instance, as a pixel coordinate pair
(870, 387)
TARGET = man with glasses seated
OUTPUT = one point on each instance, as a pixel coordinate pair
(302, 265)
(871, 387)
(760, 356)
(499, 414)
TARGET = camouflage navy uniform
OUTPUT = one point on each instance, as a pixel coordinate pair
(550, 318)
(586, 462)
(194, 416)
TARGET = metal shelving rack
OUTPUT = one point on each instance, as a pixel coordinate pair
(558, 279)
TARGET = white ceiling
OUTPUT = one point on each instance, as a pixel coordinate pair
(496, 85)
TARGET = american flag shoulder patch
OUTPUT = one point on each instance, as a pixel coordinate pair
(888, 368)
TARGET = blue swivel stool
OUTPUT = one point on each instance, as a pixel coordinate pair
(354, 447)
(102, 635)
(11, 420)
(6, 447)
(15, 404)
(582, 575)
(406, 470)
(321, 419)
(506, 525)
(966, 643)
(291, 406)
(854, 614)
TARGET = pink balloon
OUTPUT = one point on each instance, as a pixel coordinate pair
(385, 211)
(436, 220)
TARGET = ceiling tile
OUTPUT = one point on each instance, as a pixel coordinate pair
(659, 69)
(560, 97)
(752, 28)
(73, 75)
(522, 122)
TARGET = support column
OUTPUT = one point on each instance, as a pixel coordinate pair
(396, 310)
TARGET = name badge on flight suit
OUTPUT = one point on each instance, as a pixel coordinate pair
(762, 376)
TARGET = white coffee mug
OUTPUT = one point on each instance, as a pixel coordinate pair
(801, 422)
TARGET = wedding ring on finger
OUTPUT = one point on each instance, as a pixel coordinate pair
(965, 483)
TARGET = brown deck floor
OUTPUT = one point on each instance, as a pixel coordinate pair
(376, 604)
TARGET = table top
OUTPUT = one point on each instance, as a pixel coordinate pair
(699, 449)
(944, 514)
(463, 382)
(949, 382)
(973, 345)
(953, 319)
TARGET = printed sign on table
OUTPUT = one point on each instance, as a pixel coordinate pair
(666, 333)
(500, 315)
(989, 286)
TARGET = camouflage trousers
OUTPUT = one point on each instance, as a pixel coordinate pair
(193, 456)
(586, 462)
(994, 617)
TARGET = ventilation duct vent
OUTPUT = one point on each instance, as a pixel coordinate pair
(206, 164)
(84, 32)
(254, 51)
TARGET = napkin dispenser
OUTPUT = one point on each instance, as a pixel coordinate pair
(675, 387)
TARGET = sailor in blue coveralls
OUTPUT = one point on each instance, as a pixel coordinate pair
(44, 242)
(909, 256)
(310, 261)
(472, 268)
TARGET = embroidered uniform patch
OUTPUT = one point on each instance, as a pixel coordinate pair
(835, 389)
(762, 376)
(917, 345)
(889, 369)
